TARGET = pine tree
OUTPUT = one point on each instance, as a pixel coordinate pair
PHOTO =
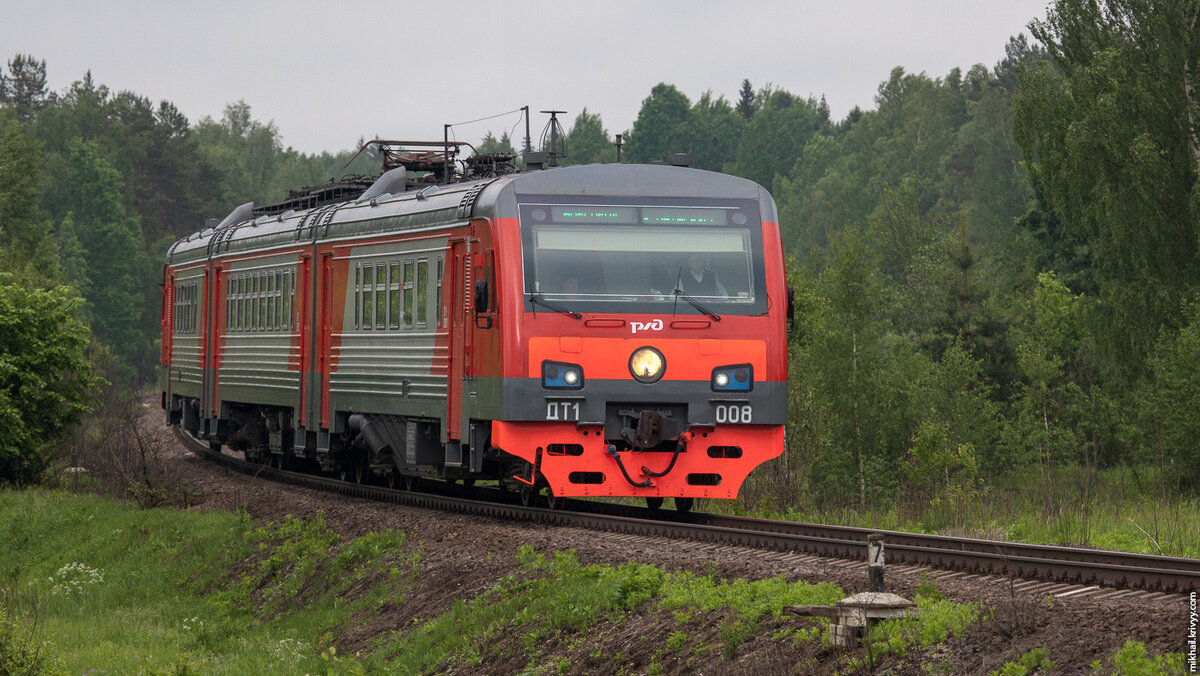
(114, 250)
(25, 86)
(745, 104)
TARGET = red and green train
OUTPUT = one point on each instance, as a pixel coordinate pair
(614, 330)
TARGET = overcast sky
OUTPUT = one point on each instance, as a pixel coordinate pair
(329, 72)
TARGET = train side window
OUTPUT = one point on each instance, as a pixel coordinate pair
(241, 303)
(251, 291)
(368, 295)
(357, 295)
(235, 302)
(262, 301)
(285, 300)
(275, 303)
(422, 292)
(248, 302)
(381, 296)
(394, 295)
(409, 287)
(439, 290)
(291, 298)
(269, 324)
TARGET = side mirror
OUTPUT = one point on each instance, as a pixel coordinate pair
(481, 296)
(482, 305)
(791, 308)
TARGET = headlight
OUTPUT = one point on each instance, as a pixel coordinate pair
(734, 378)
(557, 375)
(647, 364)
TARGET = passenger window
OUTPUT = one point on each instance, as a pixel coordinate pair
(422, 291)
(381, 295)
(368, 303)
(394, 295)
(409, 300)
(439, 291)
(270, 322)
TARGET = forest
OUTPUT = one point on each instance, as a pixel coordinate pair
(995, 269)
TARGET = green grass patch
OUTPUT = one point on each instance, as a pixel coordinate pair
(1133, 659)
(1112, 509)
(122, 590)
(1036, 661)
(554, 598)
(937, 621)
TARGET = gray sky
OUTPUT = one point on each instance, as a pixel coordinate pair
(327, 73)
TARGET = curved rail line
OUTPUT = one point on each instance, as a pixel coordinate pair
(989, 557)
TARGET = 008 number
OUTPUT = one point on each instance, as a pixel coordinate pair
(734, 413)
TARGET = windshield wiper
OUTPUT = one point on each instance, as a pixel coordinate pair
(535, 299)
(694, 303)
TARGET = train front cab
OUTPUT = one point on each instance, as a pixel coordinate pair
(616, 385)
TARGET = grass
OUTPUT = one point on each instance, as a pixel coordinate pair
(87, 584)
(552, 599)
(122, 590)
(1113, 509)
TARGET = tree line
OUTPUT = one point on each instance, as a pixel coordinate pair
(994, 267)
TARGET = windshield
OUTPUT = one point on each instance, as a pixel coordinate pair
(632, 258)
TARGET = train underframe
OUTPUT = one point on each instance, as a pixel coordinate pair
(531, 457)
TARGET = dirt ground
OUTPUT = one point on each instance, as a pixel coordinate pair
(463, 556)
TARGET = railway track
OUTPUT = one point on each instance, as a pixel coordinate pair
(1054, 569)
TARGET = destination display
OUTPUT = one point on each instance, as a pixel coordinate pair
(636, 215)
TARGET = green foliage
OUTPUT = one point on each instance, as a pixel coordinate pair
(937, 621)
(661, 125)
(491, 144)
(20, 653)
(1036, 661)
(774, 137)
(46, 380)
(24, 235)
(115, 254)
(558, 597)
(157, 591)
(24, 87)
(1134, 660)
(588, 142)
(1114, 131)
(1171, 399)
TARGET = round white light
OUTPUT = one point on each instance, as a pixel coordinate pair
(571, 377)
(647, 364)
(722, 379)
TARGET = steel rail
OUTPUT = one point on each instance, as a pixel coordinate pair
(970, 555)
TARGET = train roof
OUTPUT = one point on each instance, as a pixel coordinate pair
(435, 205)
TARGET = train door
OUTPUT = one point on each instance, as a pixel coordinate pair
(460, 283)
(215, 311)
(168, 332)
(324, 337)
(300, 312)
(207, 400)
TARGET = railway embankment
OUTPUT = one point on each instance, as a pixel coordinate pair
(258, 576)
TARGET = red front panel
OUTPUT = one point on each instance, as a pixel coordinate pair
(573, 458)
(565, 473)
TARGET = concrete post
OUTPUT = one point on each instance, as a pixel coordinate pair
(875, 561)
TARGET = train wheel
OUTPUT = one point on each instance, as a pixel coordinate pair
(657, 503)
(393, 479)
(410, 482)
(468, 482)
(553, 501)
(527, 495)
(684, 504)
(360, 471)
